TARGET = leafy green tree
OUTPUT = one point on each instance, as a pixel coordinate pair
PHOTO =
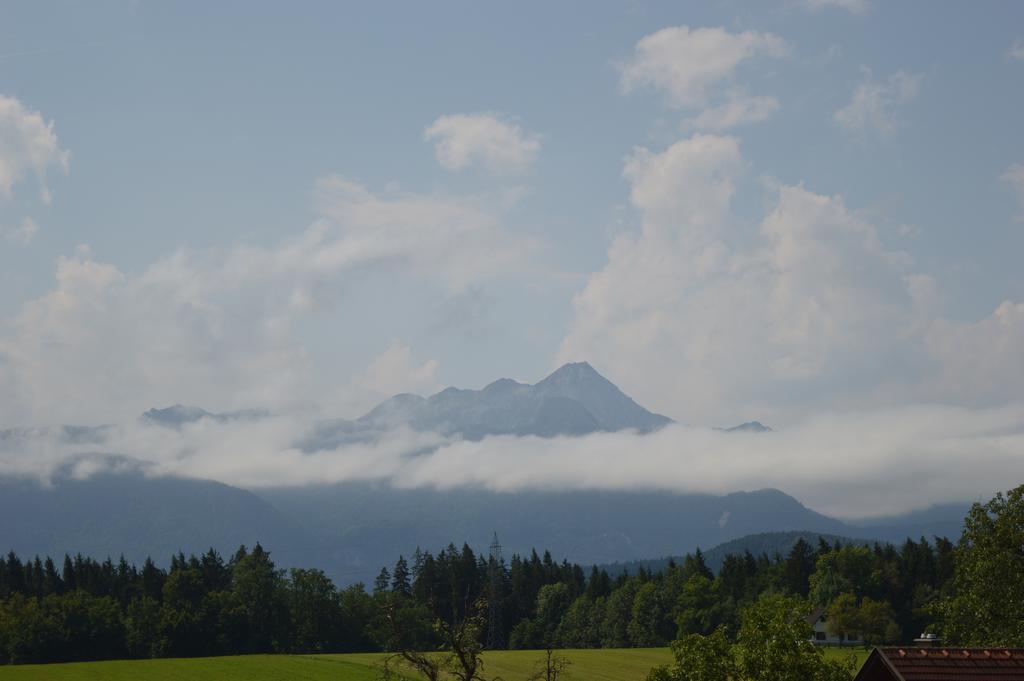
(699, 607)
(988, 580)
(258, 587)
(699, 658)
(646, 625)
(850, 568)
(581, 625)
(877, 622)
(358, 612)
(774, 644)
(843, 617)
(26, 633)
(142, 627)
(618, 612)
(315, 611)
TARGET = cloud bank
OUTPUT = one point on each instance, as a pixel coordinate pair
(855, 464)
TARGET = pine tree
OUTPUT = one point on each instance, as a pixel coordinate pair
(380, 585)
(695, 565)
(400, 578)
(798, 568)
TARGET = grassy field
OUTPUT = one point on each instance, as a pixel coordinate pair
(587, 665)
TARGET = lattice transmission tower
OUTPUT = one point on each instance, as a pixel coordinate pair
(496, 577)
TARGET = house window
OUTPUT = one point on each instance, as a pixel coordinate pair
(819, 635)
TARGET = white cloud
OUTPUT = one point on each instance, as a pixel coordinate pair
(978, 362)
(1016, 52)
(28, 145)
(865, 463)
(695, 67)
(851, 6)
(392, 372)
(874, 105)
(699, 323)
(220, 329)
(464, 140)
(1014, 177)
(734, 112)
(22, 233)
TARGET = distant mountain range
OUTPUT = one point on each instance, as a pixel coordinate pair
(574, 400)
(767, 543)
(350, 530)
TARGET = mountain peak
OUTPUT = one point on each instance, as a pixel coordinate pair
(612, 408)
(577, 368)
(574, 372)
(749, 427)
(175, 415)
(573, 400)
(502, 384)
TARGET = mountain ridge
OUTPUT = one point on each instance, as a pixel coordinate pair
(572, 400)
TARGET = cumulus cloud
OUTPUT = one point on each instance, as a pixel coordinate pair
(978, 362)
(696, 69)
(875, 105)
(465, 140)
(1014, 178)
(20, 234)
(851, 6)
(219, 328)
(394, 371)
(856, 464)
(707, 326)
(28, 146)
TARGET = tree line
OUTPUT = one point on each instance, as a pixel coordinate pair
(206, 605)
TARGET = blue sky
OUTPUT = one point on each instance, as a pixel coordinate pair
(217, 175)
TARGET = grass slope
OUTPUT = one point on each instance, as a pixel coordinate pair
(587, 665)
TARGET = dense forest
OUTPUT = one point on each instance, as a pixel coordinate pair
(205, 605)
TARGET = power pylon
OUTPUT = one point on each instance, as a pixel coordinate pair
(496, 577)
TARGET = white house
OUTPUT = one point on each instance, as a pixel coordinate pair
(822, 636)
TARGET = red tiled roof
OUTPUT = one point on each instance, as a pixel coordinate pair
(951, 664)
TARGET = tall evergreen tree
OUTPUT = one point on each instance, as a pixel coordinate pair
(400, 578)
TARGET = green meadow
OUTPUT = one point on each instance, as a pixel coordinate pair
(631, 664)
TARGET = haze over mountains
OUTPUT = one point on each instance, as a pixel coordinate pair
(103, 503)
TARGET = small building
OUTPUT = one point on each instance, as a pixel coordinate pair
(943, 664)
(821, 635)
(928, 640)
